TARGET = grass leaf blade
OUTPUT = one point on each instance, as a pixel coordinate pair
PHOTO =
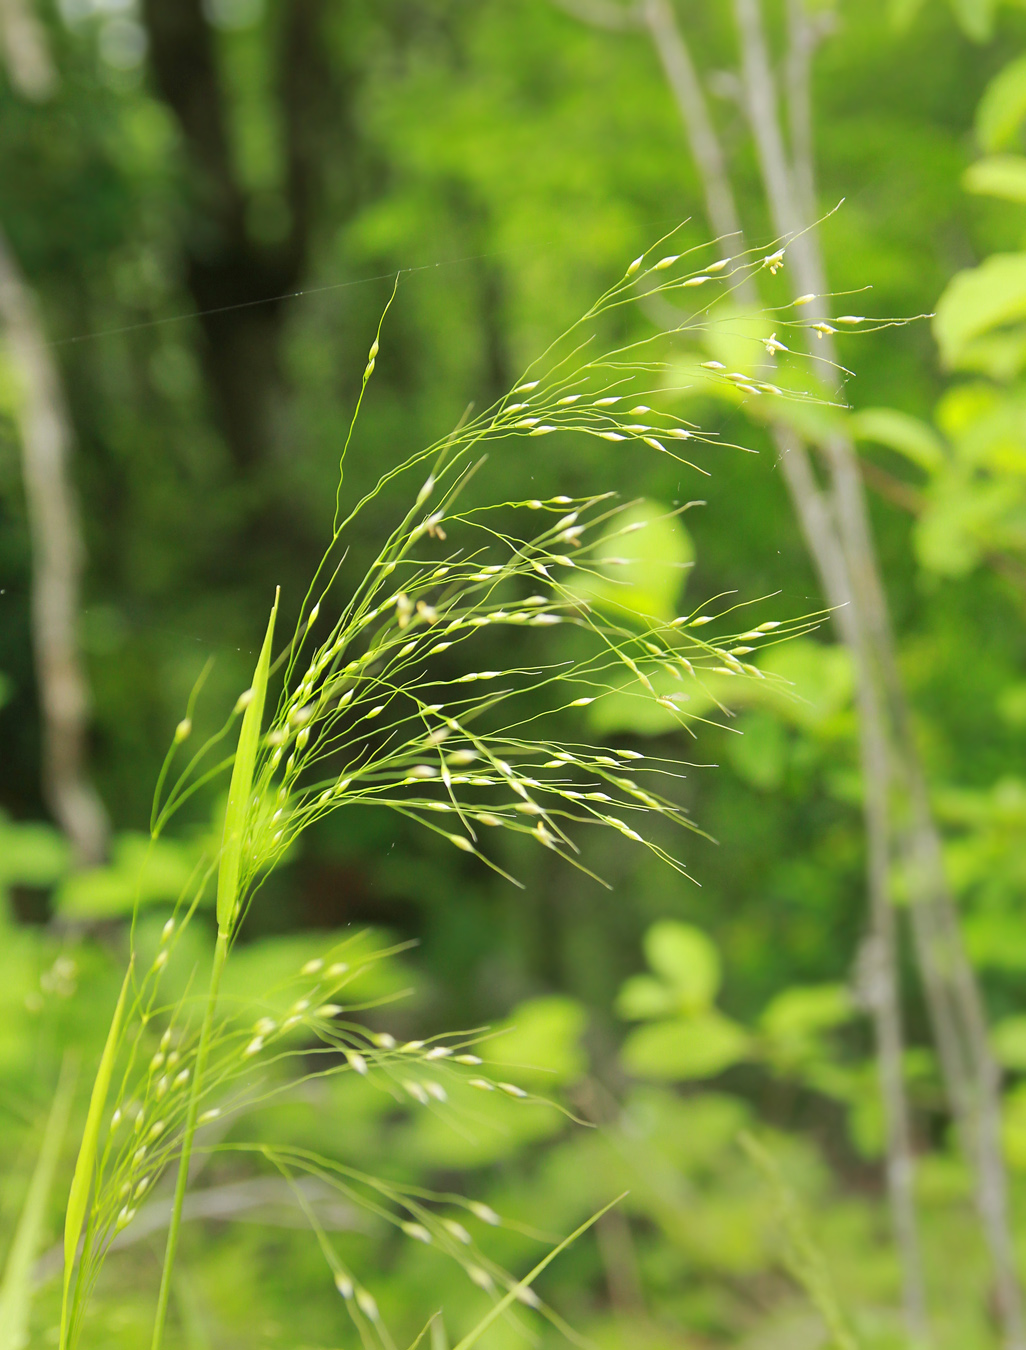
(242, 785)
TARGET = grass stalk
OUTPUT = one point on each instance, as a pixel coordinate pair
(182, 1182)
(235, 821)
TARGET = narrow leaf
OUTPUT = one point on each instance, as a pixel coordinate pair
(242, 785)
(82, 1180)
(16, 1287)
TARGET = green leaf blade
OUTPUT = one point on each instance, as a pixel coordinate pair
(242, 785)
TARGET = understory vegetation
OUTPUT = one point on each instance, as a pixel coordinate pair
(509, 838)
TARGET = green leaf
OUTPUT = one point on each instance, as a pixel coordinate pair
(81, 1182)
(142, 870)
(795, 1020)
(1002, 108)
(978, 300)
(801, 1011)
(819, 676)
(975, 18)
(31, 853)
(660, 553)
(1013, 1127)
(687, 960)
(241, 786)
(1008, 1038)
(541, 1042)
(758, 752)
(643, 997)
(909, 436)
(693, 1047)
(902, 13)
(1001, 176)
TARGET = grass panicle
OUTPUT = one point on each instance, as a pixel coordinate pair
(391, 696)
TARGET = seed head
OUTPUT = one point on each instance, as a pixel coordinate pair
(458, 1231)
(484, 1212)
(367, 1305)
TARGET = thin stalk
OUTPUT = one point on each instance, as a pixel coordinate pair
(816, 515)
(182, 1182)
(228, 896)
(55, 529)
(952, 992)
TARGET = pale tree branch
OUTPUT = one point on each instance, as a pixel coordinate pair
(601, 13)
(25, 50)
(816, 515)
(953, 995)
(801, 43)
(703, 141)
(44, 427)
(878, 974)
(46, 440)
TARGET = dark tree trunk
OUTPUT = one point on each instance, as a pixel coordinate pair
(236, 280)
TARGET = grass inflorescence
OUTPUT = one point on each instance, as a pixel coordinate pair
(383, 701)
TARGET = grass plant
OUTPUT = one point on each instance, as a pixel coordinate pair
(367, 713)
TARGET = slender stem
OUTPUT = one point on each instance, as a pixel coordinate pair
(817, 515)
(57, 555)
(182, 1183)
(952, 991)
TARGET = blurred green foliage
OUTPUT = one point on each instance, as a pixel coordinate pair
(510, 160)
